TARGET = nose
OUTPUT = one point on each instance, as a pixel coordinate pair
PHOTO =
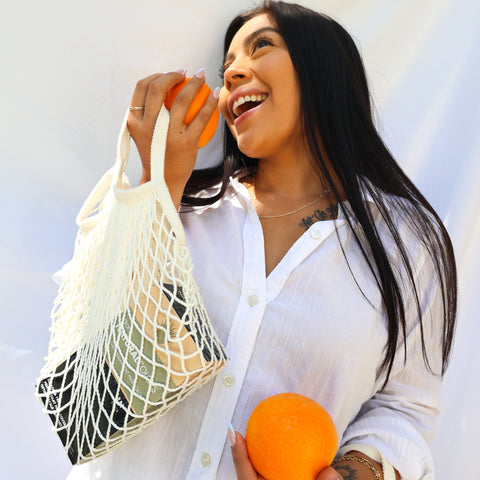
(237, 72)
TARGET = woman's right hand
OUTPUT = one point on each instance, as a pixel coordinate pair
(182, 140)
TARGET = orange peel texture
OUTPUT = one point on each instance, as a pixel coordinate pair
(290, 436)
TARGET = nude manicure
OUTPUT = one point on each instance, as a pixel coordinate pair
(231, 435)
(200, 73)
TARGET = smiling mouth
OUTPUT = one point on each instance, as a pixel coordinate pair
(247, 102)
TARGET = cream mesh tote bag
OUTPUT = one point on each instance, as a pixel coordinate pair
(130, 337)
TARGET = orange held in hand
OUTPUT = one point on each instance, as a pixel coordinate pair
(289, 436)
(195, 107)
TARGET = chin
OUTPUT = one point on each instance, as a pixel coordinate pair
(248, 150)
(251, 147)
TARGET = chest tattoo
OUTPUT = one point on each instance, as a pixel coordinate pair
(328, 213)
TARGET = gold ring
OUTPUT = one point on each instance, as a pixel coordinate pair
(135, 108)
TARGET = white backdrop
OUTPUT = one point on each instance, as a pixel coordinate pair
(67, 73)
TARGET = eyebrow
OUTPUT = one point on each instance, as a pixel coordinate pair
(249, 40)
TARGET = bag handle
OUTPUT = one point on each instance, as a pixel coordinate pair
(93, 200)
(157, 163)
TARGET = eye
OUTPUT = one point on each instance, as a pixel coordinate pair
(257, 44)
(221, 70)
(260, 43)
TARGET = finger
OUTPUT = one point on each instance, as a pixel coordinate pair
(138, 100)
(185, 96)
(198, 124)
(329, 473)
(157, 91)
(140, 93)
(243, 466)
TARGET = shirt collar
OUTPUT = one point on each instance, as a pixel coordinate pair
(241, 192)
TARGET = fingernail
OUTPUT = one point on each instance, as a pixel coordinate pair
(231, 435)
(200, 73)
(183, 71)
(216, 93)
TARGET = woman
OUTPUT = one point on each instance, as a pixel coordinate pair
(323, 269)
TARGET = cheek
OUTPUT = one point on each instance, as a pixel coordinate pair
(222, 103)
(223, 107)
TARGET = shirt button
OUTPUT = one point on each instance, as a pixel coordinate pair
(205, 459)
(252, 300)
(315, 234)
(228, 380)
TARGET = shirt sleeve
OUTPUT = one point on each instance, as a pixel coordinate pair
(400, 418)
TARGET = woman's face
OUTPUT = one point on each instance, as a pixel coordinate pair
(260, 98)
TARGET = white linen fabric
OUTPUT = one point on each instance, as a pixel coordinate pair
(308, 328)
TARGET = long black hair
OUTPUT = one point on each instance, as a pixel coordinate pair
(336, 116)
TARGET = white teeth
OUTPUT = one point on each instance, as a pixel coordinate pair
(247, 98)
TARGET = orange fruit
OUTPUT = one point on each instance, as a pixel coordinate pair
(290, 436)
(195, 107)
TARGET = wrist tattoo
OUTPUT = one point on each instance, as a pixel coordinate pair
(347, 472)
(348, 468)
(318, 215)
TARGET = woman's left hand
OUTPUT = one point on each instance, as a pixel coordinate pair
(245, 470)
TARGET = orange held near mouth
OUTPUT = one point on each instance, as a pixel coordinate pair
(195, 107)
(289, 436)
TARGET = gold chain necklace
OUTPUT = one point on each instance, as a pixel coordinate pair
(326, 192)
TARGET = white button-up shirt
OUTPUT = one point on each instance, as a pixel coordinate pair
(314, 326)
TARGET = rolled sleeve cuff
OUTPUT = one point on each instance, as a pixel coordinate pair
(397, 440)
